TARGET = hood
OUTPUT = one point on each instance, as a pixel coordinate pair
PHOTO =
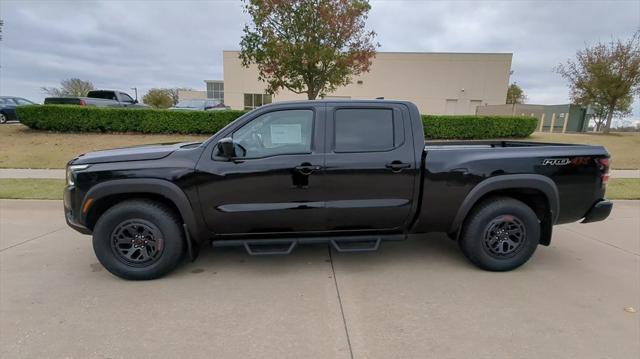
(138, 153)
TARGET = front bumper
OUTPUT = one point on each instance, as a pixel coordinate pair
(598, 212)
(72, 211)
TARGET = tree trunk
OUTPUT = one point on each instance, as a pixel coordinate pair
(607, 126)
(311, 94)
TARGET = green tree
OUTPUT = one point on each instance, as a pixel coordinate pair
(158, 98)
(308, 46)
(515, 94)
(73, 87)
(605, 76)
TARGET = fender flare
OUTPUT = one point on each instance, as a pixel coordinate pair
(524, 181)
(163, 188)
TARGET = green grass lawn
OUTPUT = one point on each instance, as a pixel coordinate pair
(618, 188)
(623, 188)
(31, 188)
(624, 147)
(21, 147)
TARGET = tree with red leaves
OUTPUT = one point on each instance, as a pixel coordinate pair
(308, 46)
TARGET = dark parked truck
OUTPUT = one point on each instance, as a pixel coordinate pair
(97, 98)
(352, 174)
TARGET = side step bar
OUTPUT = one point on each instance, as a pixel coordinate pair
(347, 244)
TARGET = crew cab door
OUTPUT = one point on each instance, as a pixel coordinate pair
(276, 186)
(370, 166)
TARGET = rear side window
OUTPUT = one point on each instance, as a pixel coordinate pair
(363, 130)
(107, 95)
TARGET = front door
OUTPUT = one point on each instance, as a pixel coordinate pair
(274, 185)
(371, 167)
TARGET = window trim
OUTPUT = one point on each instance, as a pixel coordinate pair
(242, 159)
(394, 111)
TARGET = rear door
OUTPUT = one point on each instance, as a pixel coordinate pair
(370, 168)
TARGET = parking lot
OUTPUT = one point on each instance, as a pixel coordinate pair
(413, 299)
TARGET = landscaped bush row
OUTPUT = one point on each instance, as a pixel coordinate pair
(92, 119)
(477, 127)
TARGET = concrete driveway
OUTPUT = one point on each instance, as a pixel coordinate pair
(413, 299)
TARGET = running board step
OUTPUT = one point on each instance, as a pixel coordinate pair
(366, 245)
(255, 248)
(271, 246)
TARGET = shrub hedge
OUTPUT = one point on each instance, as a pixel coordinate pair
(92, 119)
(477, 127)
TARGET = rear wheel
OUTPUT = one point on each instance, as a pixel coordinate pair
(3, 118)
(500, 234)
(139, 240)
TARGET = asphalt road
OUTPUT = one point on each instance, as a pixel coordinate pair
(413, 299)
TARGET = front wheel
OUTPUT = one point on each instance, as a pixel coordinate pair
(3, 118)
(500, 234)
(139, 240)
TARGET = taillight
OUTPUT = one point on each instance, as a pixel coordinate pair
(603, 166)
(82, 103)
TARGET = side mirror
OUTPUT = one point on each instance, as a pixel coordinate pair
(228, 149)
(135, 101)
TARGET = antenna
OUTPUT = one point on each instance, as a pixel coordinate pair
(379, 98)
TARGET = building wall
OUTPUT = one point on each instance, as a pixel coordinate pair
(551, 118)
(439, 83)
(190, 95)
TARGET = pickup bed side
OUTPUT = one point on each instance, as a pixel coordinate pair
(457, 176)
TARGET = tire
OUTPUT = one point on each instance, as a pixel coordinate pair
(500, 234)
(139, 240)
(3, 118)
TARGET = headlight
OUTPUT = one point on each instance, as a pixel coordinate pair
(71, 176)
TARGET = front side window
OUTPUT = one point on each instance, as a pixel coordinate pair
(126, 98)
(277, 133)
(364, 130)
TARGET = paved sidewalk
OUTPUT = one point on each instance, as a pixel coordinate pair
(625, 173)
(59, 173)
(412, 299)
(31, 173)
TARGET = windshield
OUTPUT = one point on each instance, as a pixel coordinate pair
(191, 104)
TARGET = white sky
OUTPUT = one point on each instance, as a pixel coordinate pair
(144, 44)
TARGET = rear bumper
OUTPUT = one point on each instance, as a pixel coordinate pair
(599, 212)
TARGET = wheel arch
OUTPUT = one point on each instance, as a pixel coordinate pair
(538, 192)
(106, 194)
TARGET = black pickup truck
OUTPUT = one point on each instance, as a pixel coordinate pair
(97, 98)
(351, 174)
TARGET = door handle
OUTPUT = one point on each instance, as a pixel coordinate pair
(397, 166)
(307, 169)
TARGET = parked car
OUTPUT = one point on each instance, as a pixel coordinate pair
(199, 104)
(8, 107)
(97, 98)
(307, 172)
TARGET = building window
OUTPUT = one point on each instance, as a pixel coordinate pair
(253, 100)
(215, 90)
